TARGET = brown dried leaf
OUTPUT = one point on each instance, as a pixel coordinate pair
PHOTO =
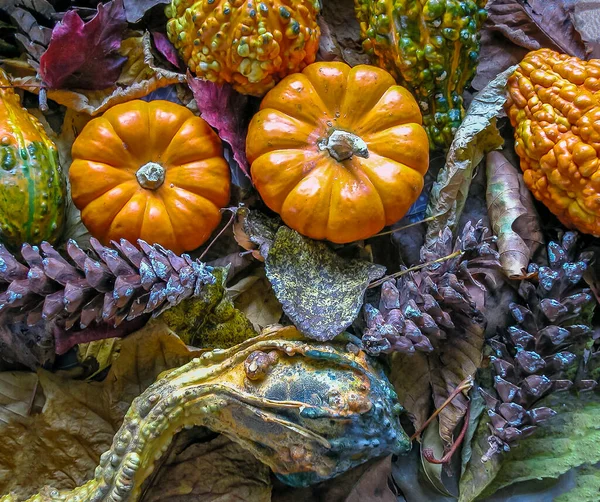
(216, 471)
(18, 396)
(514, 28)
(513, 217)
(586, 18)
(79, 418)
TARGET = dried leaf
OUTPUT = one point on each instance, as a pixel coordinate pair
(215, 471)
(31, 35)
(136, 9)
(340, 35)
(139, 72)
(255, 232)
(227, 111)
(254, 296)
(515, 27)
(586, 18)
(18, 396)
(165, 47)
(476, 136)
(96, 62)
(320, 292)
(30, 346)
(410, 376)
(477, 405)
(98, 355)
(513, 217)
(61, 446)
(431, 440)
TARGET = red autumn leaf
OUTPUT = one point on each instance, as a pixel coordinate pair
(84, 55)
(223, 108)
(165, 47)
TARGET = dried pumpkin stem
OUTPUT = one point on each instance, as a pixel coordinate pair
(151, 175)
(414, 269)
(343, 145)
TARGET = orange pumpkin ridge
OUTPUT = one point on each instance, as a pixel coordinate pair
(338, 152)
(151, 171)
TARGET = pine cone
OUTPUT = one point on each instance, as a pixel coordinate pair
(103, 285)
(540, 354)
(418, 309)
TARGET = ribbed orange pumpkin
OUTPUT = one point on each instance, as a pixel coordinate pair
(151, 171)
(338, 152)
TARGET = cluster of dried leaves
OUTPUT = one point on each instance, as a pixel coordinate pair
(60, 421)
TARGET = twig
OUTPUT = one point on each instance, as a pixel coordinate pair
(387, 232)
(428, 452)
(466, 384)
(233, 213)
(32, 399)
(415, 268)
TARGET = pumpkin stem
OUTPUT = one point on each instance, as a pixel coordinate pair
(342, 145)
(150, 175)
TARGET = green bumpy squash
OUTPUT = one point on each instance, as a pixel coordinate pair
(431, 47)
(32, 185)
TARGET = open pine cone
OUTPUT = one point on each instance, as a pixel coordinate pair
(540, 354)
(104, 285)
(416, 310)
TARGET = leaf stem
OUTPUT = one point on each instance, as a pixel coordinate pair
(413, 269)
(428, 452)
(466, 384)
(387, 232)
(227, 225)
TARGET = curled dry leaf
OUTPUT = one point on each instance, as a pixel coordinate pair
(515, 27)
(85, 55)
(136, 9)
(586, 18)
(512, 215)
(476, 136)
(255, 231)
(139, 77)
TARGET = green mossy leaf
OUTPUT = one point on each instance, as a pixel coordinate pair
(211, 319)
(587, 486)
(570, 439)
(319, 291)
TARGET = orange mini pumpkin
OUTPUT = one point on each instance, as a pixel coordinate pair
(338, 152)
(151, 171)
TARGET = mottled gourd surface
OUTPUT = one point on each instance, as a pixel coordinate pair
(151, 171)
(32, 186)
(338, 152)
(250, 44)
(308, 410)
(431, 47)
(554, 106)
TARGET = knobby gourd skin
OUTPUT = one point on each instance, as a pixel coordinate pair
(32, 186)
(338, 152)
(554, 105)
(309, 410)
(248, 43)
(431, 47)
(151, 171)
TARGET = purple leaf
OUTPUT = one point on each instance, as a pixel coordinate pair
(84, 55)
(223, 108)
(166, 49)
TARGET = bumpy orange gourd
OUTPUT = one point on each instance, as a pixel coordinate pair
(338, 152)
(151, 171)
(554, 105)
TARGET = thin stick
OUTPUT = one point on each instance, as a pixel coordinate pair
(387, 232)
(413, 269)
(466, 384)
(219, 234)
(428, 452)
(32, 399)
